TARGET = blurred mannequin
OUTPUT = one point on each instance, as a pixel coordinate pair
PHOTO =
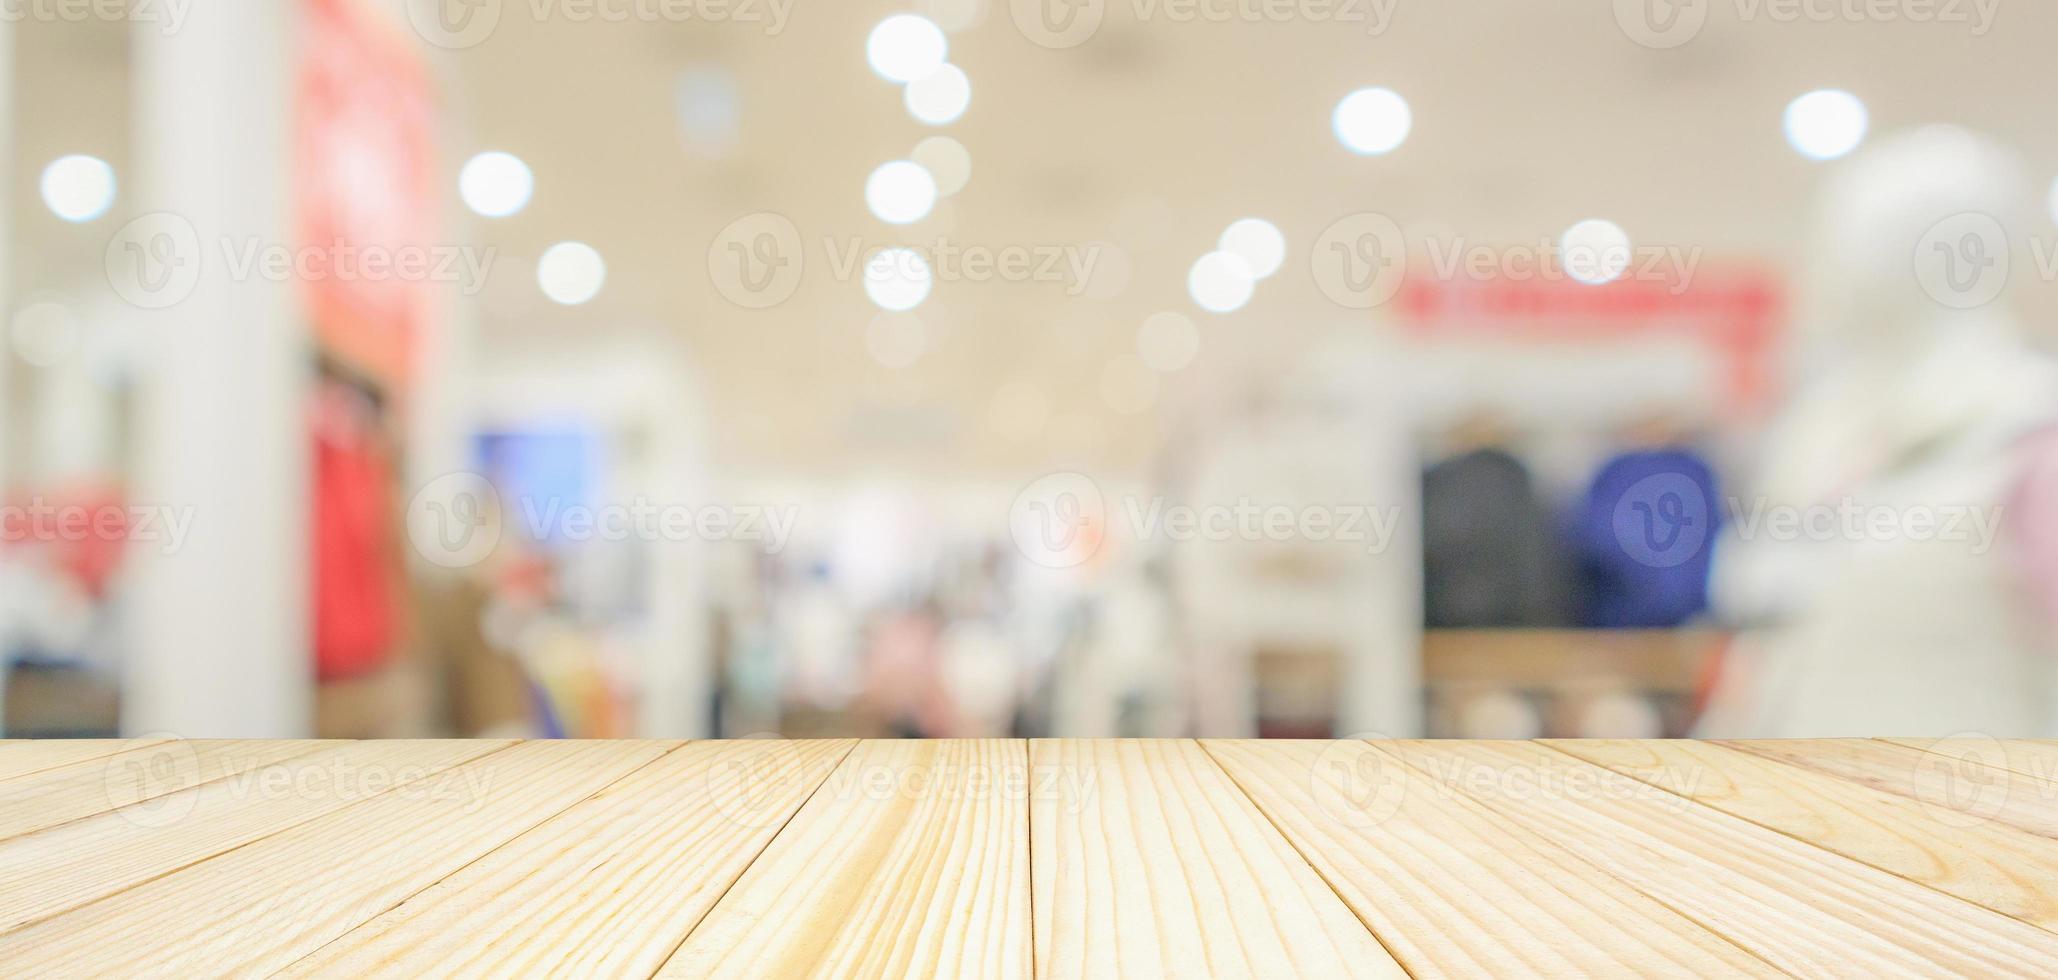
(1914, 394)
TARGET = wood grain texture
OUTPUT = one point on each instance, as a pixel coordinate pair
(1962, 781)
(1992, 865)
(1803, 909)
(911, 860)
(1453, 890)
(1149, 862)
(66, 866)
(1010, 858)
(145, 772)
(23, 757)
(2036, 759)
(609, 887)
(258, 908)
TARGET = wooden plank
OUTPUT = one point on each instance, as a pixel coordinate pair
(2033, 765)
(1963, 783)
(609, 887)
(911, 860)
(1150, 862)
(147, 772)
(1804, 909)
(258, 908)
(1998, 867)
(47, 872)
(25, 756)
(1451, 888)
(2036, 758)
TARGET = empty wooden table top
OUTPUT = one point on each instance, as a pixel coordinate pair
(1056, 858)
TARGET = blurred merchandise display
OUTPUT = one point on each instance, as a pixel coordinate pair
(392, 369)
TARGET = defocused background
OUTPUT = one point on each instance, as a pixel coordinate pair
(682, 368)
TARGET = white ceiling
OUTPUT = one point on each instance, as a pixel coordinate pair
(1151, 136)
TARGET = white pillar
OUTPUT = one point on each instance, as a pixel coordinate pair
(218, 640)
(676, 698)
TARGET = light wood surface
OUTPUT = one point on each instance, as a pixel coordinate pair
(909, 861)
(1007, 858)
(2001, 867)
(1150, 863)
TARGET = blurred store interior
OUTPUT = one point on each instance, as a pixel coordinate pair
(973, 367)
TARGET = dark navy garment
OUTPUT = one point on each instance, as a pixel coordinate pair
(1492, 558)
(1643, 539)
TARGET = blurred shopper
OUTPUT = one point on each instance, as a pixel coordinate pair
(1878, 554)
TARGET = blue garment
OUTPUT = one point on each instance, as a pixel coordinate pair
(1644, 539)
